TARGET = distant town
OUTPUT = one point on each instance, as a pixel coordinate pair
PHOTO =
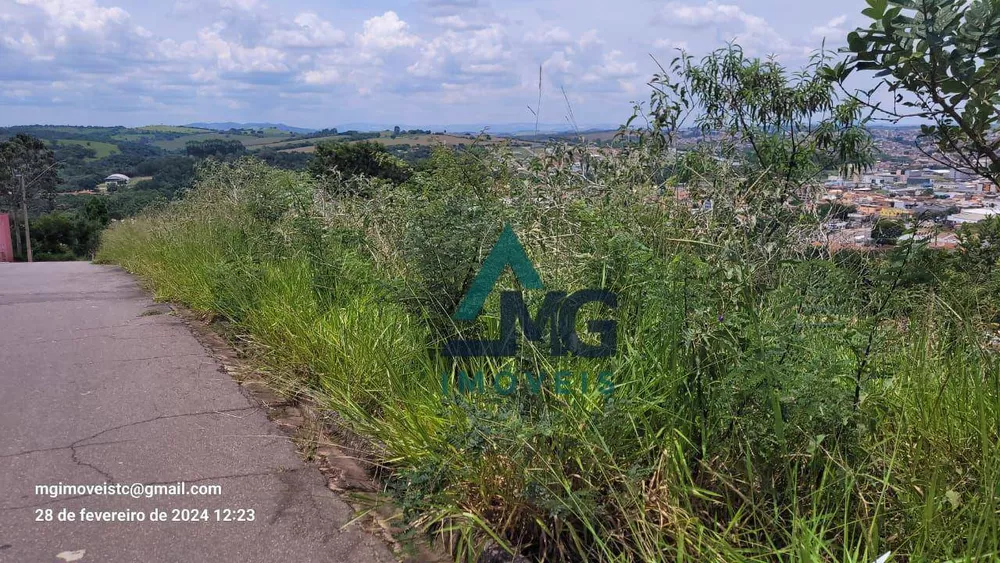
(906, 185)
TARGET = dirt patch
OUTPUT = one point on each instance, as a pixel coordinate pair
(156, 309)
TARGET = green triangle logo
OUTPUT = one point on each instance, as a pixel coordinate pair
(506, 252)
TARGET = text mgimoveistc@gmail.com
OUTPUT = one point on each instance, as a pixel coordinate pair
(134, 490)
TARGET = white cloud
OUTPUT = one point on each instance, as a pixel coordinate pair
(218, 8)
(26, 44)
(750, 31)
(557, 63)
(232, 56)
(589, 38)
(670, 44)
(832, 28)
(444, 7)
(462, 50)
(700, 15)
(455, 21)
(628, 86)
(265, 57)
(612, 67)
(322, 77)
(308, 30)
(204, 75)
(550, 36)
(483, 68)
(245, 5)
(82, 15)
(68, 36)
(387, 32)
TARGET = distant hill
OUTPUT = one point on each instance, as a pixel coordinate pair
(227, 125)
(522, 128)
(494, 128)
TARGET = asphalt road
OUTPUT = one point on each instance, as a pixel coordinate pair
(94, 389)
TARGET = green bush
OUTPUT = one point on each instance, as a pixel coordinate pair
(368, 158)
(887, 231)
(59, 236)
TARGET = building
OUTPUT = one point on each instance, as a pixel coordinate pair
(878, 179)
(117, 180)
(972, 216)
(894, 212)
(934, 239)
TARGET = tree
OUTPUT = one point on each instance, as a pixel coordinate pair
(835, 211)
(980, 245)
(54, 237)
(887, 231)
(27, 156)
(285, 160)
(219, 148)
(940, 60)
(96, 210)
(395, 132)
(171, 175)
(132, 202)
(367, 158)
(767, 134)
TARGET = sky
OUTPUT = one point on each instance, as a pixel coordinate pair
(320, 63)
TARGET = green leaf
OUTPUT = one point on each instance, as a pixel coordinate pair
(952, 86)
(879, 6)
(872, 13)
(854, 42)
(954, 499)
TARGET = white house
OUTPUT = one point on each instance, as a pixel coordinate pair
(118, 180)
(973, 215)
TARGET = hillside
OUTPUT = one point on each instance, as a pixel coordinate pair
(227, 125)
(420, 140)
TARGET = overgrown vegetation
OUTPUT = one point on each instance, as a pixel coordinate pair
(161, 160)
(61, 236)
(772, 401)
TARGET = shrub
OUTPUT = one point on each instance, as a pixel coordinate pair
(368, 158)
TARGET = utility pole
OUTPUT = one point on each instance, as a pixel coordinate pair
(24, 202)
(24, 207)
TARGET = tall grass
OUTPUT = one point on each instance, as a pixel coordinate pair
(770, 404)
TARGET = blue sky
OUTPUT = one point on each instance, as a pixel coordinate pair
(316, 63)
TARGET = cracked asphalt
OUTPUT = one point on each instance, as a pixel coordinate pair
(94, 388)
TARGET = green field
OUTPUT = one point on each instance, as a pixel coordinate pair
(101, 149)
(416, 140)
(68, 129)
(180, 142)
(247, 140)
(174, 138)
(272, 137)
(281, 145)
(171, 129)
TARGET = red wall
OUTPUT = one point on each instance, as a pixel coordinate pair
(6, 249)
